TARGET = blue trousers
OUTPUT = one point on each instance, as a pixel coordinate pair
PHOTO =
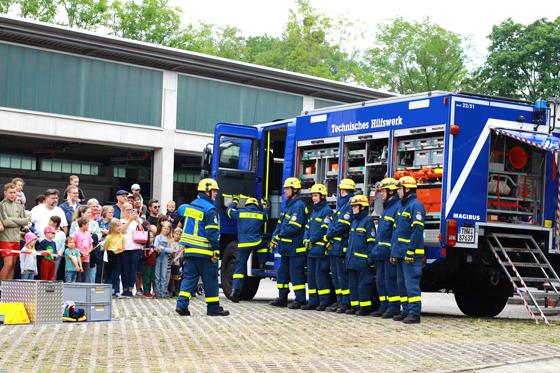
(318, 280)
(292, 269)
(70, 276)
(161, 276)
(386, 281)
(408, 280)
(193, 268)
(130, 260)
(340, 279)
(360, 288)
(240, 267)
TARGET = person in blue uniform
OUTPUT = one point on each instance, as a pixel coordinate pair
(337, 241)
(288, 237)
(201, 241)
(386, 273)
(360, 244)
(318, 268)
(250, 221)
(407, 250)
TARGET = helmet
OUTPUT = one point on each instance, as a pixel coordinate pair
(407, 182)
(347, 184)
(206, 185)
(292, 182)
(319, 188)
(360, 200)
(251, 201)
(389, 183)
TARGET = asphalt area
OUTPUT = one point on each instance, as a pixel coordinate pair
(147, 336)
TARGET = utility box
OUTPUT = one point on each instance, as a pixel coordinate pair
(87, 293)
(43, 300)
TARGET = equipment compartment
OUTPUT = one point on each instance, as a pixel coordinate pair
(515, 173)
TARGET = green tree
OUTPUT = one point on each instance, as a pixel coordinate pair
(152, 21)
(85, 14)
(414, 57)
(40, 10)
(523, 61)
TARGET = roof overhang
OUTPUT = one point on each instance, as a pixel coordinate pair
(64, 39)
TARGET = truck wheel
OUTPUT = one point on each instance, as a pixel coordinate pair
(250, 285)
(477, 304)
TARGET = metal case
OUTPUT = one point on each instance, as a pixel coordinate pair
(43, 300)
(97, 311)
(87, 293)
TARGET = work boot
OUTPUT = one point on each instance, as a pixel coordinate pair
(400, 317)
(351, 311)
(377, 313)
(183, 311)
(296, 305)
(279, 302)
(332, 308)
(219, 312)
(321, 308)
(343, 308)
(411, 319)
(388, 315)
(309, 307)
(235, 293)
(364, 312)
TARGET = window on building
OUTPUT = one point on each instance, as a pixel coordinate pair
(186, 177)
(119, 171)
(70, 167)
(17, 162)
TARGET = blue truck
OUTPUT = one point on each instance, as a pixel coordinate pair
(487, 170)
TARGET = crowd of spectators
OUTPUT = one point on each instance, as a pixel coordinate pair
(129, 244)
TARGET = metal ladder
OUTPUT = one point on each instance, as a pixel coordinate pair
(529, 267)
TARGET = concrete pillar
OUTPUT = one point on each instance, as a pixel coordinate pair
(164, 157)
(308, 103)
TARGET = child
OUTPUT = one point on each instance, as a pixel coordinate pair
(114, 246)
(172, 214)
(73, 262)
(28, 257)
(84, 243)
(60, 241)
(174, 283)
(164, 250)
(48, 262)
(149, 258)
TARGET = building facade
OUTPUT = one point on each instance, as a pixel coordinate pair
(117, 112)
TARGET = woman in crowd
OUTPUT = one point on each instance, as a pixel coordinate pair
(132, 251)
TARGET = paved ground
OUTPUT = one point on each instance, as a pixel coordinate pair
(146, 335)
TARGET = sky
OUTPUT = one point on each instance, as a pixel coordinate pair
(473, 18)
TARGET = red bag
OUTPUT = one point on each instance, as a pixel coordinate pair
(140, 235)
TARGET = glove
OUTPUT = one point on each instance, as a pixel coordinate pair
(235, 198)
(272, 246)
(264, 203)
(409, 257)
(371, 261)
(393, 260)
(328, 243)
(307, 243)
(215, 256)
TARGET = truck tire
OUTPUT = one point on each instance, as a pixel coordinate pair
(478, 304)
(250, 285)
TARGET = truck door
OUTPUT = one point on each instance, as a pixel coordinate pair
(234, 165)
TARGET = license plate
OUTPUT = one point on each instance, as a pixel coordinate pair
(466, 235)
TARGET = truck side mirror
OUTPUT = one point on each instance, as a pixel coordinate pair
(206, 161)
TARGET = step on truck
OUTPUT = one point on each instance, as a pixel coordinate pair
(487, 170)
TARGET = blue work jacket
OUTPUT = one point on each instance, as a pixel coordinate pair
(340, 226)
(250, 221)
(316, 228)
(290, 229)
(360, 241)
(382, 248)
(201, 227)
(408, 235)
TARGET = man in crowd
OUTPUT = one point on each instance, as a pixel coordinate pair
(41, 214)
(13, 218)
(122, 198)
(72, 202)
(153, 214)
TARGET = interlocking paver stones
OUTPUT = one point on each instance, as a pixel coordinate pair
(147, 335)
